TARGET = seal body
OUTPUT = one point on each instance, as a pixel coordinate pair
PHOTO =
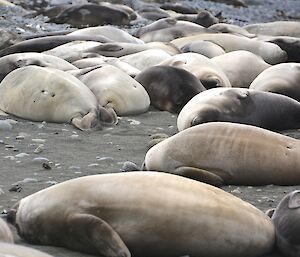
(5, 233)
(286, 221)
(230, 153)
(241, 105)
(155, 214)
(13, 250)
(60, 98)
(169, 88)
(282, 78)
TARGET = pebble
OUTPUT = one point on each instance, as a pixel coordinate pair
(74, 167)
(51, 182)
(1, 142)
(1, 191)
(39, 149)
(236, 191)
(11, 121)
(9, 146)
(9, 157)
(129, 166)
(5, 125)
(93, 165)
(106, 159)
(21, 155)
(133, 122)
(38, 140)
(27, 180)
(40, 159)
(74, 136)
(46, 166)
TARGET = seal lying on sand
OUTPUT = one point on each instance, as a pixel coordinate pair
(13, 250)
(241, 105)
(228, 153)
(143, 214)
(59, 98)
(5, 233)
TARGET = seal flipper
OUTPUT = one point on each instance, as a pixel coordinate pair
(200, 175)
(87, 122)
(91, 234)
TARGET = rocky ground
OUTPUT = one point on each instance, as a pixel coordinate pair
(35, 155)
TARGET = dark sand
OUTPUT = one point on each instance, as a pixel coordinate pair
(73, 153)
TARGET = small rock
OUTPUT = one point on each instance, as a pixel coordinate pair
(38, 140)
(74, 136)
(51, 182)
(21, 155)
(129, 166)
(40, 159)
(9, 157)
(74, 167)
(9, 146)
(28, 180)
(11, 121)
(39, 149)
(1, 191)
(5, 125)
(1, 142)
(93, 165)
(15, 188)
(105, 159)
(133, 122)
(46, 166)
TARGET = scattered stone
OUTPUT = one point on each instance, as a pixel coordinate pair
(38, 140)
(9, 146)
(51, 182)
(5, 125)
(236, 191)
(1, 142)
(93, 165)
(104, 159)
(133, 122)
(1, 191)
(15, 149)
(74, 136)
(9, 157)
(40, 159)
(129, 166)
(27, 180)
(15, 188)
(21, 155)
(74, 167)
(39, 149)
(46, 166)
(11, 121)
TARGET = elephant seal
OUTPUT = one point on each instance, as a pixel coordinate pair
(275, 28)
(206, 48)
(81, 15)
(145, 59)
(60, 98)
(291, 45)
(13, 250)
(241, 105)
(179, 8)
(144, 214)
(241, 67)
(232, 29)
(169, 88)
(228, 153)
(286, 220)
(203, 18)
(282, 78)
(202, 67)
(115, 89)
(110, 32)
(5, 233)
(46, 43)
(96, 61)
(181, 29)
(270, 52)
(11, 62)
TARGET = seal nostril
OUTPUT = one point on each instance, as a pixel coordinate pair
(52, 94)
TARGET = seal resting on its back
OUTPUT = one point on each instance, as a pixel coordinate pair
(144, 214)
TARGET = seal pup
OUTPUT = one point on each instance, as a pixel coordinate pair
(282, 78)
(114, 89)
(241, 67)
(286, 220)
(224, 153)
(241, 105)
(13, 250)
(203, 18)
(11, 62)
(169, 88)
(270, 52)
(61, 98)
(108, 215)
(200, 66)
(5, 233)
